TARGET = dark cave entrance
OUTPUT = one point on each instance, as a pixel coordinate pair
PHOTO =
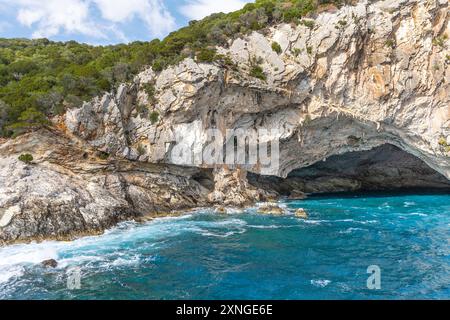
(383, 168)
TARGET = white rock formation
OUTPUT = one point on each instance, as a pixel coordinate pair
(372, 71)
(69, 191)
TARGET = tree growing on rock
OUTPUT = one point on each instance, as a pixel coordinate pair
(26, 158)
(3, 116)
(276, 47)
(30, 119)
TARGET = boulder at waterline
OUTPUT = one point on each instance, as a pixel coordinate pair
(270, 209)
(301, 213)
(50, 263)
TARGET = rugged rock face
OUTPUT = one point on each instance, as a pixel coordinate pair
(347, 80)
(69, 191)
(353, 79)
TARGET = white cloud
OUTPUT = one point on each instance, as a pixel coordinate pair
(52, 17)
(152, 12)
(198, 9)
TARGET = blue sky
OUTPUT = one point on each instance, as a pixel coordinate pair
(103, 21)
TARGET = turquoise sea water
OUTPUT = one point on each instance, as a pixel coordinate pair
(248, 256)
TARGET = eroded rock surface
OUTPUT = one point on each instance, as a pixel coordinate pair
(68, 191)
(356, 78)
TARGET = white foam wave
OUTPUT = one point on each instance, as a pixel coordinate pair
(367, 221)
(127, 261)
(6, 274)
(27, 254)
(313, 221)
(80, 259)
(222, 235)
(272, 226)
(407, 204)
(13, 259)
(385, 205)
(181, 217)
(350, 230)
(420, 214)
(320, 283)
(231, 210)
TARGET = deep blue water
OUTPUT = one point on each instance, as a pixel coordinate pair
(248, 256)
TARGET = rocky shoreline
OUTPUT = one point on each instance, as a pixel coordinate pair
(68, 192)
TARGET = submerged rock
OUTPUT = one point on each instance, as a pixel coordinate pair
(270, 208)
(50, 263)
(301, 213)
(221, 210)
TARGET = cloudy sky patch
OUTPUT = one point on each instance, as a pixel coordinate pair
(103, 21)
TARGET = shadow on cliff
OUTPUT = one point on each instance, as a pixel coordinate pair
(384, 168)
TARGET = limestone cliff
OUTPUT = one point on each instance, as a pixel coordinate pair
(375, 72)
(346, 80)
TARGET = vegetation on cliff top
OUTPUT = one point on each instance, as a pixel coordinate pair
(41, 78)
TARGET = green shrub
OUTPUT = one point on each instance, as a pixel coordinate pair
(26, 158)
(206, 55)
(296, 52)
(150, 90)
(103, 155)
(141, 150)
(307, 120)
(227, 61)
(442, 142)
(142, 110)
(440, 41)
(258, 72)
(342, 23)
(390, 43)
(291, 15)
(30, 119)
(308, 23)
(276, 47)
(154, 117)
(295, 9)
(158, 65)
